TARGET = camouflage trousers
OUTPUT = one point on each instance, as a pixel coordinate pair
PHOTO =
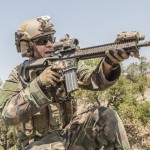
(96, 128)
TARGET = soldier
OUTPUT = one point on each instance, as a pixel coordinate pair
(48, 121)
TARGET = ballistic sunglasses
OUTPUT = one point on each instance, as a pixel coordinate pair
(44, 39)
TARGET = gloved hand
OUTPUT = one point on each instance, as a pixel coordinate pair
(115, 56)
(49, 77)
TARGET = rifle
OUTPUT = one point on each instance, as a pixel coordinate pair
(68, 51)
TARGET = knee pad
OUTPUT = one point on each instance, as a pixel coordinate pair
(105, 124)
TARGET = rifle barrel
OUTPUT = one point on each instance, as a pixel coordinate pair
(144, 44)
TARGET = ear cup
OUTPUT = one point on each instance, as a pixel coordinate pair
(26, 49)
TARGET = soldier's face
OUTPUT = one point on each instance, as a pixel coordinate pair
(44, 46)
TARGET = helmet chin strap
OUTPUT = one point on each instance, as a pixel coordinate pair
(36, 52)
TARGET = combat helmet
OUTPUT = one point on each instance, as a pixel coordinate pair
(30, 30)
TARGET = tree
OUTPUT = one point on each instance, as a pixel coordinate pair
(1, 82)
(138, 73)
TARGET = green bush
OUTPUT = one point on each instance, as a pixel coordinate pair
(143, 112)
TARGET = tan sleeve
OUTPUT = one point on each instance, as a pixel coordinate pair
(17, 103)
(94, 78)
